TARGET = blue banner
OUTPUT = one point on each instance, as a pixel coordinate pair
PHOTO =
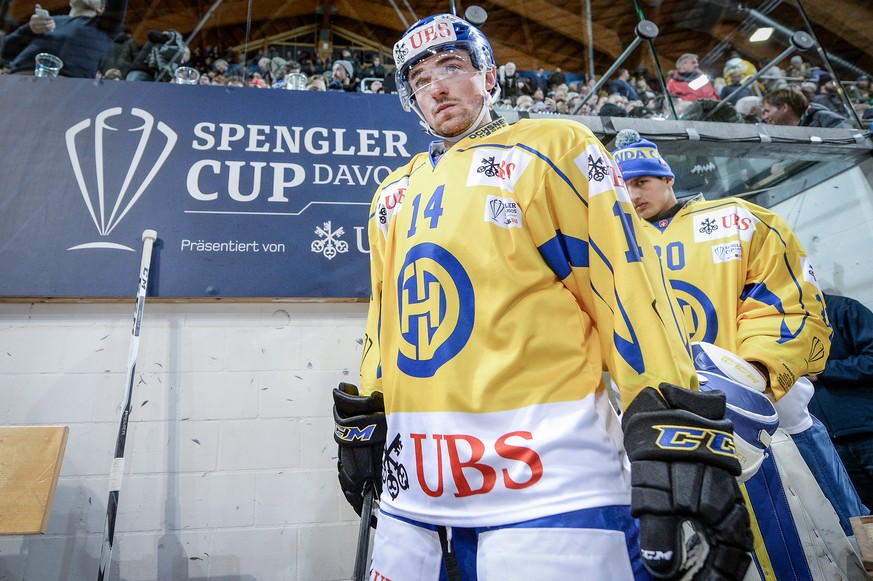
(253, 193)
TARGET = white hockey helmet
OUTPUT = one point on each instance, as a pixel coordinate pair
(433, 35)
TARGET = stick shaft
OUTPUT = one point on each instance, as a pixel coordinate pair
(117, 470)
(363, 551)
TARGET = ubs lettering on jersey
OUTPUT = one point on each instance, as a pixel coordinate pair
(499, 168)
(476, 467)
(390, 201)
(602, 173)
(725, 222)
(503, 212)
(727, 252)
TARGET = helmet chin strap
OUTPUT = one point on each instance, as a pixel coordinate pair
(484, 114)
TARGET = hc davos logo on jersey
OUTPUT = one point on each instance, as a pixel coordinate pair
(436, 309)
(108, 195)
(499, 168)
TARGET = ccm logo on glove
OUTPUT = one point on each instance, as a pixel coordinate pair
(687, 439)
(354, 433)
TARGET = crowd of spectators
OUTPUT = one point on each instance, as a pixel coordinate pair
(813, 97)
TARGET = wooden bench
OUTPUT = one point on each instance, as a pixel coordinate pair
(30, 462)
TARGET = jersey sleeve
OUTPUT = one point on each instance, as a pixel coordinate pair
(780, 317)
(584, 223)
(387, 200)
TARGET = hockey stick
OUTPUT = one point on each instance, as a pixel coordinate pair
(117, 471)
(363, 552)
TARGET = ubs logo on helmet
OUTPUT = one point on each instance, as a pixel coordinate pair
(436, 306)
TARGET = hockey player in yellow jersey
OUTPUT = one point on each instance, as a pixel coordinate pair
(506, 276)
(745, 284)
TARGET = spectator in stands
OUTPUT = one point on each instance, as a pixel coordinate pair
(235, 82)
(158, 58)
(555, 79)
(112, 75)
(797, 68)
(789, 107)
(524, 103)
(612, 110)
(278, 70)
(356, 66)
(256, 81)
(735, 81)
(341, 77)
(688, 82)
(375, 70)
(122, 51)
(843, 398)
(540, 81)
(316, 83)
(81, 39)
(705, 110)
(511, 83)
(265, 69)
(775, 77)
(809, 90)
(224, 68)
(828, 95)
(621, 85)
(862, 87)
(751, 109)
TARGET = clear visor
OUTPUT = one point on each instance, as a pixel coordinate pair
(445, 65)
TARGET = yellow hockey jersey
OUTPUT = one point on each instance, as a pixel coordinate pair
(745, 283)
(505, 277)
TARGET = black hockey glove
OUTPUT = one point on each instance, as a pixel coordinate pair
(360, 432)
(682, 471)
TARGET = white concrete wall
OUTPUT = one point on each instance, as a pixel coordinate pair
(231, 464)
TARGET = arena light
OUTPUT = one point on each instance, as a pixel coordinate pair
(762, 34)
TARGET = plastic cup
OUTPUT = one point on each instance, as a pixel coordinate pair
(47, 65)
(187, 76)
(295, 81)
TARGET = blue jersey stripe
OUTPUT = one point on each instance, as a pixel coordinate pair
(563, 252)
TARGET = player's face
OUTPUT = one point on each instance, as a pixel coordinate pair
(651, 195)
(449, 91)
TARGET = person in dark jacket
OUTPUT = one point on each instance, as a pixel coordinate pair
(81, 39)
(122, 53)
(790, 107)
(843, 398)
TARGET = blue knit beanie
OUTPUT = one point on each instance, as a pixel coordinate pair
(638, 157)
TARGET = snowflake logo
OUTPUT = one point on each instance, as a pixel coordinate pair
(708, 226)
(489, 167)
(597, 169)
(329, 242)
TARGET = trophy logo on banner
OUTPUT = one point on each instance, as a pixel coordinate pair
(122, 168)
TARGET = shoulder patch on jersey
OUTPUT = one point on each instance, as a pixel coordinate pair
(500, 168)
(503, 212)
(727, 252)
(390, 201)
(725, 222)
(602, 173)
